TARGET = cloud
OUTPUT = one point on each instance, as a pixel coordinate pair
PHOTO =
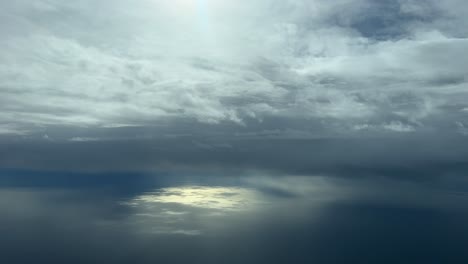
(134, 86)
(399, 154)
(365, 100)
(11, 130)
(83, 139)
(137, 64)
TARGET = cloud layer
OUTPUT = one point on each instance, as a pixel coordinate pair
(316, 68)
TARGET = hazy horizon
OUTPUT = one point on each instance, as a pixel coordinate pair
(233, 131)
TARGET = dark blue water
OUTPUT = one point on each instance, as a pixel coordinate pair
(167, 217)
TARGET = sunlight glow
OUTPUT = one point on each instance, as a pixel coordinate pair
(222, 198)
(189, 210)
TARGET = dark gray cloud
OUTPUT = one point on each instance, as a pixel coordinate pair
(414, 158)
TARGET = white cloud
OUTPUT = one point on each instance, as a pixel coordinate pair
(126, 63)
(83, 139)
(399, 127)
(394, 126)
(12, 130)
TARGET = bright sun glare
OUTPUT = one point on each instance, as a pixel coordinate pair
(222, 198)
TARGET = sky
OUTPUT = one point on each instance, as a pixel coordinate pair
(132, 124)
(207, 76)
(281, 68)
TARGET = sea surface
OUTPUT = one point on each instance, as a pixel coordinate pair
(249, 217)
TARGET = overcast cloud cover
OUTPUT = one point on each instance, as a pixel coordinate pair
(233, 131)
(212, 72)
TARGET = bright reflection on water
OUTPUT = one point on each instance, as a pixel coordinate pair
(217, 198)
(191, 210)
